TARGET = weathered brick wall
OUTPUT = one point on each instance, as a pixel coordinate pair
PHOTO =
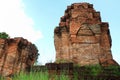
(15, 55)
(82, 38)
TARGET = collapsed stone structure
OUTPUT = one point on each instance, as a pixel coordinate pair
(16, 54)
(82, 38)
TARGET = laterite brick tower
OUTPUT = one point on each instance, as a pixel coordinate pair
(82, 38)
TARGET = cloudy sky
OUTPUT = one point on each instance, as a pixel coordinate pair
(35, 20)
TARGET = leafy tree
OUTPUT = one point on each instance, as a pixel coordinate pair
(4, 35)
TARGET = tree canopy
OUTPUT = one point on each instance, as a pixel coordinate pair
(4, 35)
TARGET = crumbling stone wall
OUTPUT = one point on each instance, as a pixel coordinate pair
(16, 54)
(82, 38)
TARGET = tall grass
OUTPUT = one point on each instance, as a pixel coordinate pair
(37, 76)
(44, 75)
(1, 78)
(61, 77)
(32, 76)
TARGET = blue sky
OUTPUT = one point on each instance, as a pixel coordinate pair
(42, 16)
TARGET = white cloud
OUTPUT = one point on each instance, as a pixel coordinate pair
(15, 22)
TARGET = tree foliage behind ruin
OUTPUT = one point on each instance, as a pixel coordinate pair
(4, 35)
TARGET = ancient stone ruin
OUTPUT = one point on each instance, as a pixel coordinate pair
(82, 38)
(16, 54)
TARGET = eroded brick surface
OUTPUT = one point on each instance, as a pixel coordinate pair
(16, 54)
(82, 38)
